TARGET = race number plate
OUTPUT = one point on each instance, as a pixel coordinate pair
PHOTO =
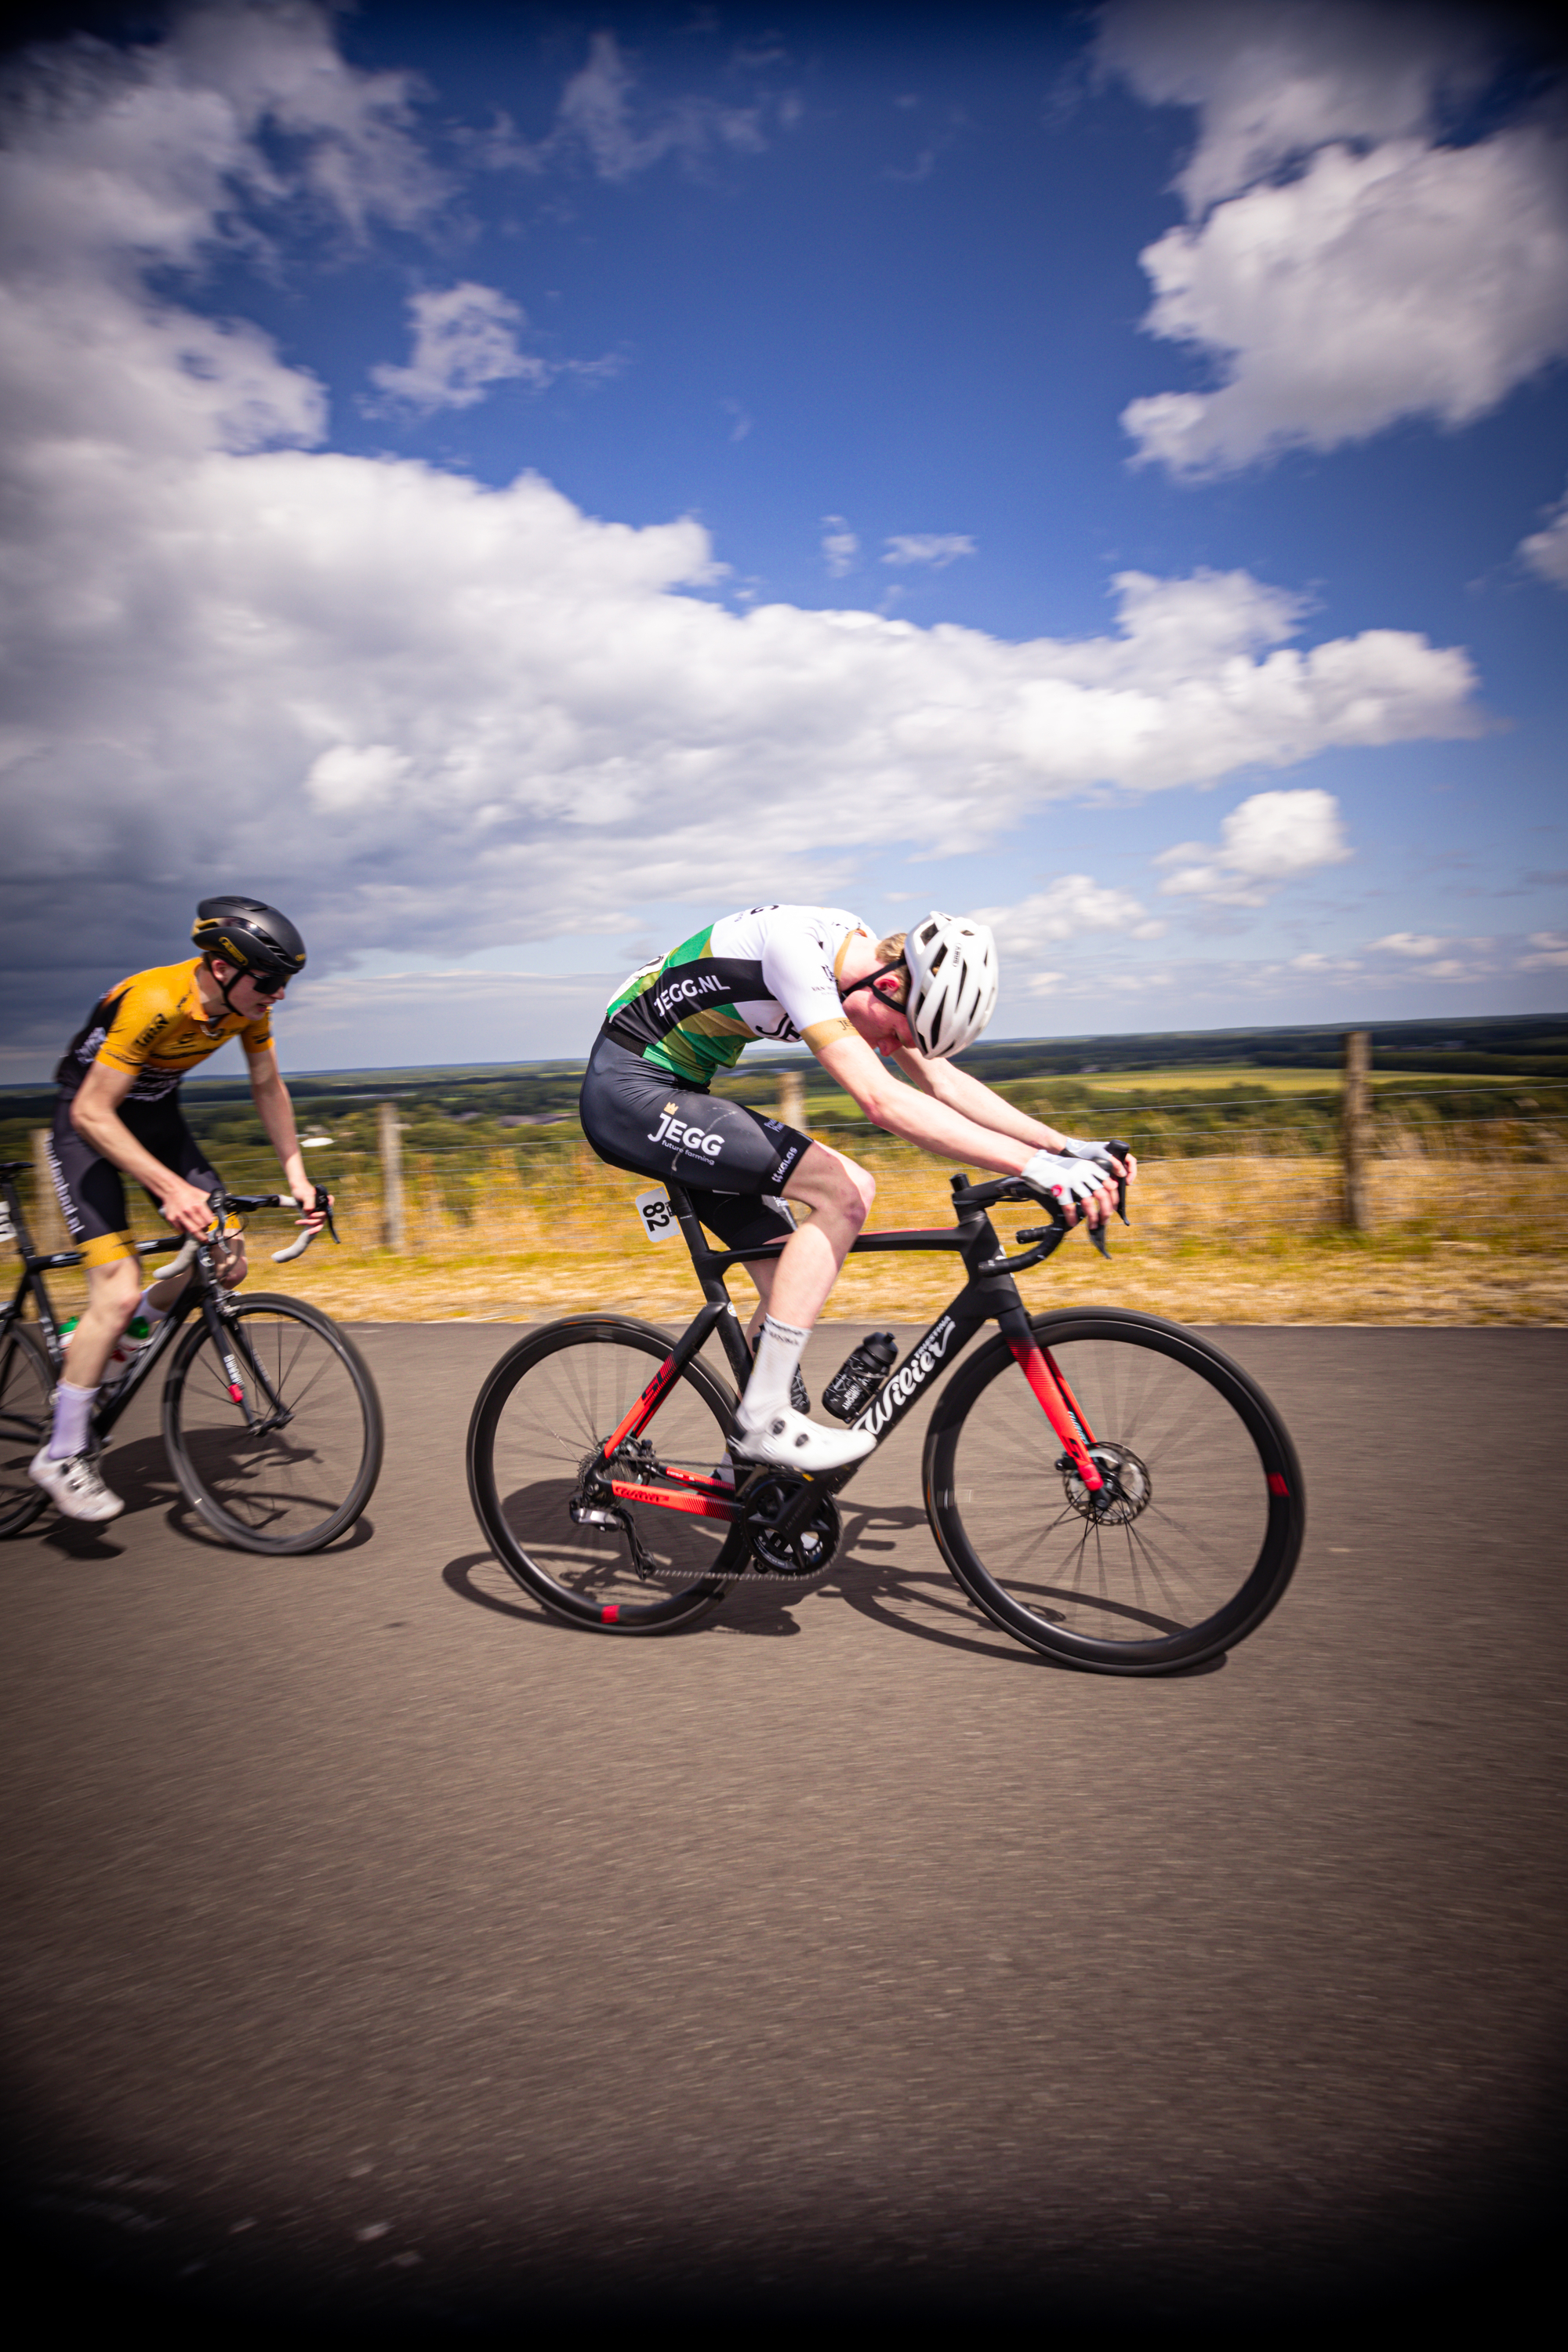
(658, 1216)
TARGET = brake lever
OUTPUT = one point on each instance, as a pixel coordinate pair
(323, 1203)
(1122, 1151)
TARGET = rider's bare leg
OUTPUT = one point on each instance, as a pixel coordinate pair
(768, 1427)
(794, 1287)
(229, 1263)
(113, 1291)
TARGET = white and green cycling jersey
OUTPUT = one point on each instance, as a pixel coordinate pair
(770, 972)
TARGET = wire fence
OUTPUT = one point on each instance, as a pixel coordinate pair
(1247, 1182)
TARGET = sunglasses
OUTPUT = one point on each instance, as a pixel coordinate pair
(268, 983)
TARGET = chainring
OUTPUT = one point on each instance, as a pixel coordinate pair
(806, 1553)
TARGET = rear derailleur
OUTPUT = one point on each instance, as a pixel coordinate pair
(594, 1505)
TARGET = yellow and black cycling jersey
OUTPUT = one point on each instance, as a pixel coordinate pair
(155, 1025)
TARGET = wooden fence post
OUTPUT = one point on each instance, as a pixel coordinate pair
(48, 1226)
(1356, 1132)
(394, 1223)
(791, 1099)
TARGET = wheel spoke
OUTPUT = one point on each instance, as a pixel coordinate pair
(278, 1484)
(1180, 1545)
(545, 1411)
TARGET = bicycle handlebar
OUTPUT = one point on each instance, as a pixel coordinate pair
(247, 1200)
(297, 1248)
(1045, 1238)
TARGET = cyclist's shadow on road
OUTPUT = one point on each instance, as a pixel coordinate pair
(140, 1474)
(914, 1596)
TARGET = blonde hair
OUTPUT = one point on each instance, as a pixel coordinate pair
(890, 950)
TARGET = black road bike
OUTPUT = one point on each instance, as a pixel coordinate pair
(1106, 1486)
(271, 1418)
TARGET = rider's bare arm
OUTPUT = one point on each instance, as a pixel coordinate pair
(938, 1112)
(975, 1100)
(276, 1111)
(919, 1113)
(95, 1114)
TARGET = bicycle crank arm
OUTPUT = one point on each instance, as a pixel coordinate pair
(802, 1507)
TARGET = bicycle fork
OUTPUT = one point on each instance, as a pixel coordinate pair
(277, 1415)
(1060, 1405)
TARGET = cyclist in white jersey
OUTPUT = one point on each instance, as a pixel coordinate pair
(816, 975)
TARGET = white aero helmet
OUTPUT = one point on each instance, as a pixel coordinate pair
(952, 982)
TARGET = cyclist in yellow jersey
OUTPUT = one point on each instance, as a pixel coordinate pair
(117, 1115)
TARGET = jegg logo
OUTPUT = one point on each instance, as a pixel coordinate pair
(687, 1139)
(683, 992)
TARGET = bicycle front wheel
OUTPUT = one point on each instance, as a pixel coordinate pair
(26, 1387)
(302, 1468)
(1202, 1510)
(540, 1418)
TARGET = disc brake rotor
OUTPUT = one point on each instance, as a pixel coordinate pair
(1127, 1491)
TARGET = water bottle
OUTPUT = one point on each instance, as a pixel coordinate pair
(860, 1375)
(126, 1349)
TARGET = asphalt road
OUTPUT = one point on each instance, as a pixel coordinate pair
(379, 1951)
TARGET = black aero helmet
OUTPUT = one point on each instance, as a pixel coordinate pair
(249, 935)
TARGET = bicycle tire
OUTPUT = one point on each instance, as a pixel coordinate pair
(1210, 1511)
(543, 1410)
(27, 1393)
(299, 1486)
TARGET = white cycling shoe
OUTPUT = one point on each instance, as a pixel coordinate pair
(73, 1484)
(787, 1440)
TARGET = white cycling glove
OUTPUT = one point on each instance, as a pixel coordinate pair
(1065, 1175)
(1075, 1147)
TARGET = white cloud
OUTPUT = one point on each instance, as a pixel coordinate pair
(1270, 83)
(1551, 952)
(1426, 956)
(417, 710)
(839, 546)
(1267, 841)
(465, 340)
(598, 122)
(1412, 943)
(938, 548)
(1075, 903)
(1341, 268)
(1546, 552)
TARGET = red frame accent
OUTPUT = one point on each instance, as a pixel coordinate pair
(670, 1498)
(1050, 1389)
(642, 1411)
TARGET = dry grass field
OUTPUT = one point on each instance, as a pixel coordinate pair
(1237, 1239)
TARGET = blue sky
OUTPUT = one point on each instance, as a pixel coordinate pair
(509, 486)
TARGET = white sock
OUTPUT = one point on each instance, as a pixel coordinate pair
(778, 1353)
(151, 1316)
(72, 1409)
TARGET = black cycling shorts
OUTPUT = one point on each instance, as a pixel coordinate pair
(732, 1160)
(92, 1189)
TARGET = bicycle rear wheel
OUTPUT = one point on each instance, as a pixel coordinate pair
(306, 1469)
(540, 1416)
(1205, 1509)
(26, 1387)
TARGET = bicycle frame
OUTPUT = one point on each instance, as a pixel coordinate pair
(202, 1292)
(991, 1295)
